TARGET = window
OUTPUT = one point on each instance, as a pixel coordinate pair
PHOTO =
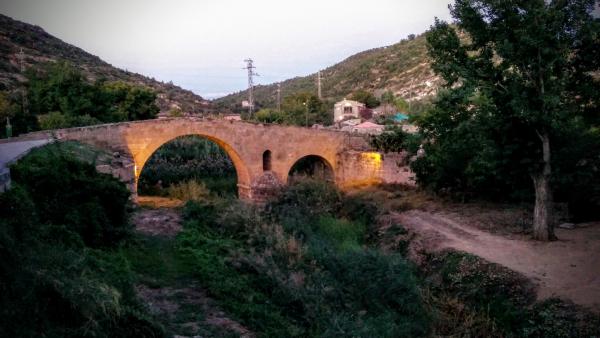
(267, 160)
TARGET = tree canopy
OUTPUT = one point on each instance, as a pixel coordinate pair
(59, 96)
(519, 78)
(365, 97)
(302, 109)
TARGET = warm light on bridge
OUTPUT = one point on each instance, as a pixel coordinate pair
(372, 159)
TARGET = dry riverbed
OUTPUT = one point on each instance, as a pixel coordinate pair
(184, 307)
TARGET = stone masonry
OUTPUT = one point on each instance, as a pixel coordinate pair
(132, 143)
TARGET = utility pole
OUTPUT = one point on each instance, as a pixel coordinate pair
(251, 74)
(23, 90)
(305, 103)
(279, 97)
(319, 85)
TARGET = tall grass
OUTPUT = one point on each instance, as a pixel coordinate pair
(299, 268)
(189, 191)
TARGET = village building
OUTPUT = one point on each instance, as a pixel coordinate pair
(368, 128)
(347, 109)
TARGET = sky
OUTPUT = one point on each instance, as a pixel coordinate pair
(201, 45)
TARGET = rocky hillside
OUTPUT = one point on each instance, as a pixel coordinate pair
(402, 68)
(40, 47)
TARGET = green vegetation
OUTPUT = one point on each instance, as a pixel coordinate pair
(302, 109)
(61, 273)
(186, 159)
(518, 116)
(300, 267)
(472, 297)
(59, 96)
(366, 97)
(305, 264)
(394, 139)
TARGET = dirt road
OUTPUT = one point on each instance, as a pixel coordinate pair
(568, 268)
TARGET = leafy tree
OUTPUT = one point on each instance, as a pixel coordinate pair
(175, 112)
(394, 139)
(304, 109)
(268, 115)
(388, 97)
(131, 102)
(516, 75)
(59, 87)
(365, 97)
(53, 120)
(60, 96)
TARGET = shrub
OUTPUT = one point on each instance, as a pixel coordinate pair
(503, 293)
(366, 293)
(189, 191)
(305, 199)
(68, 191)
(341, 234)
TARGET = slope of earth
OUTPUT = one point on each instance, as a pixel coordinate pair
(403, 68)
(567, 268)
(39, 47)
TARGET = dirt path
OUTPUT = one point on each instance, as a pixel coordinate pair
(568, 268)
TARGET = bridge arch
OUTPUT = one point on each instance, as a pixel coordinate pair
(312, 165)
(241, 169)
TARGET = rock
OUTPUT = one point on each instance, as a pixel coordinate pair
(104, 169)
(566, 226)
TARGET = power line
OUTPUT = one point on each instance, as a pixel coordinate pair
(251, 74)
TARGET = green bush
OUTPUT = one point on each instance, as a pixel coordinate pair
(70, 192)
(305, 199)
(340, 233)
(380, 290)
(51, 282)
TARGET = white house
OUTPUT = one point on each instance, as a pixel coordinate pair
(346, 109)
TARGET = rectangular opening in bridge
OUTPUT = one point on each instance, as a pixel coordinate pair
(267, 160)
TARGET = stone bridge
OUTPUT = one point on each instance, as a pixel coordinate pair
(263, 154)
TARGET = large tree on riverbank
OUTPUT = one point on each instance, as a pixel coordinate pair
(517, 73)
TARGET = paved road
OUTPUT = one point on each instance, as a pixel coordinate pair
(9, 152)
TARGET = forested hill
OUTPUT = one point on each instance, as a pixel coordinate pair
(39, 48)
(402, 68)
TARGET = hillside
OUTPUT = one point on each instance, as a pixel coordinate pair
(40, 47)
(402, 68)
